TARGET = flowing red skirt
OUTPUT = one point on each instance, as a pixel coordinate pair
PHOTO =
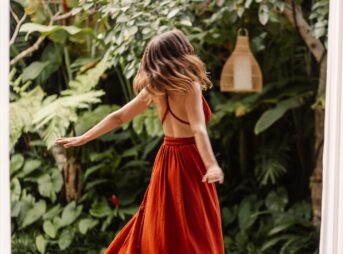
(179, 213)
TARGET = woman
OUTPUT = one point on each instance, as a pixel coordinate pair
(180, 211)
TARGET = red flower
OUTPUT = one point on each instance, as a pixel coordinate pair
(115, 200)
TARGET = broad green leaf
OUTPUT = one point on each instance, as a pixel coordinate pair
(86, 224)
(153, 125)
(15, 189)
(50, 184)
(30, 166)
(70, 213)
(34, 214)
(66, 238)
(100, 209)
(15, 209)
(228, 216)
(263, 14)
(186, 22)
(129, 210)
(41, 243)
(270, 116)
(277, 201)
(33, 27)
(270, 243)
(172, 13)
(90, 118)
(32, 71)
(138, 123)
(91, 170)
(246, 209)
(50, 229)
(59, 37)
(53, 212)
(247, 4)
(17, 161)
(72, 3)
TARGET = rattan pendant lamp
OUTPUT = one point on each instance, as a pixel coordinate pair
(241, 72)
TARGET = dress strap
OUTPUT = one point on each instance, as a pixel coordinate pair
(168, 109)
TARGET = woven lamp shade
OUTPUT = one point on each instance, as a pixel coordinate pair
(241, 72)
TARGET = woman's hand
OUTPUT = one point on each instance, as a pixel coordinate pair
(72, 141)
(214, 174)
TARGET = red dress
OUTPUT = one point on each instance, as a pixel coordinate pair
(179, 213)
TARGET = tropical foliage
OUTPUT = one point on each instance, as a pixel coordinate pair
(73, 62)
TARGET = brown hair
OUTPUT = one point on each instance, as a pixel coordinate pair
(169, 64)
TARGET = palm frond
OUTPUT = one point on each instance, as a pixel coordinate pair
(56, 115)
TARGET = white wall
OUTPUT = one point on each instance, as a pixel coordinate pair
(332, 198)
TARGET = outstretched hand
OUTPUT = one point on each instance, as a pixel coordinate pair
(72, 141)
(214, 174)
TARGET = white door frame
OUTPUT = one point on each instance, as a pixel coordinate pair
(5, 227)
(331, 240)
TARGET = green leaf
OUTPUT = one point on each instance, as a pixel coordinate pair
(100, 209)
(66, 238)
(72, 3)
(91, 170)
(138, 123)
(172, 13)
(15, 209)
(87, 224)
(32, 71)
(282, 227)
(86, 81)
(186, 22)
(34, 214)
(33, 27)
(17, 161)
(22, 111)
(50, 184)
(246, 209)
(240, 11)
(129, 210)
(270, 243)
(70, 213)
(247, 4)
(54, 211)
(263, 14)
(30, 166)
(50, 229)
(228, 216)
(15, 189)
(55, 115)
(277, 201)
(41, 244)
(270, 116)
(90, 118)
(59, 36)
(152, 125)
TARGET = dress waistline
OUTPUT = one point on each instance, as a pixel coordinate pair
(178, 141)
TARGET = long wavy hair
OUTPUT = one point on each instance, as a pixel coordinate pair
(169, 64)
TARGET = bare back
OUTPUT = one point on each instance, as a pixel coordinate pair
(172, 126)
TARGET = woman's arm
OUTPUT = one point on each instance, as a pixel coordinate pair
(196, 118)
(111, 121)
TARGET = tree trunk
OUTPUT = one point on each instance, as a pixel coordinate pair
(72, 181)
(294, 14)
(71, 173)
(316, 178)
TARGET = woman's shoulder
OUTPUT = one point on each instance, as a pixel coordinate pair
(145, 96)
